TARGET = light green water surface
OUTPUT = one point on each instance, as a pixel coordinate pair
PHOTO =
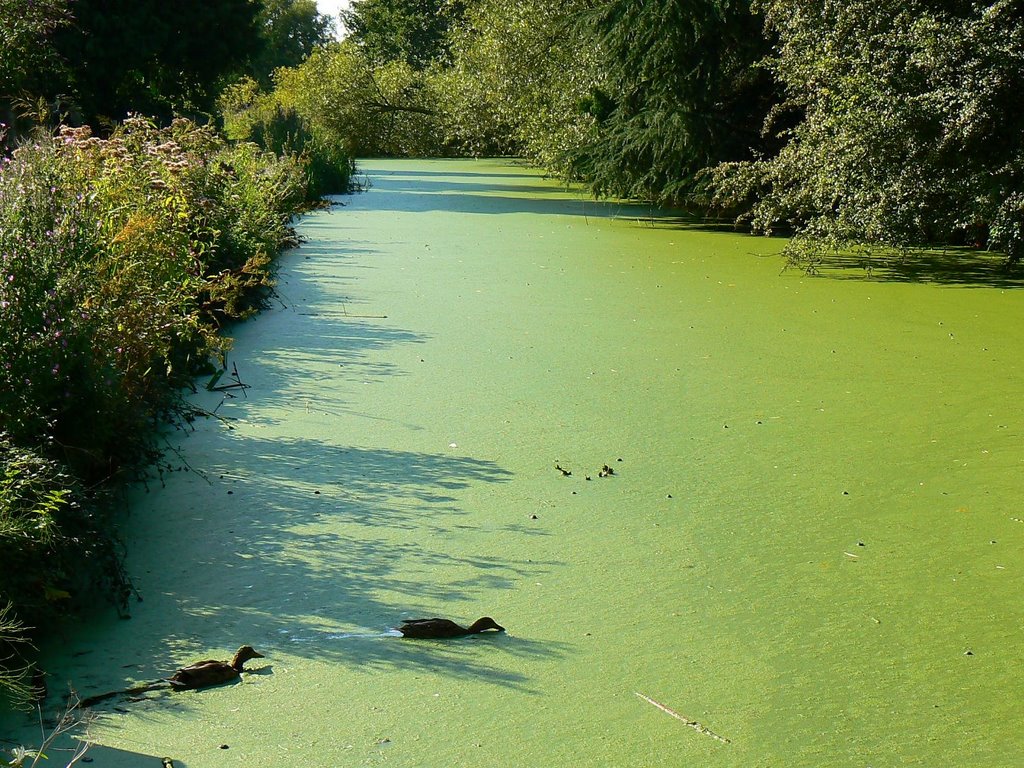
(811, 543)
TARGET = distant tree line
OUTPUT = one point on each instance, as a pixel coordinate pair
(873, 125)
(96, 61)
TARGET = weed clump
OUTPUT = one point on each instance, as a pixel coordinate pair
(120, 261)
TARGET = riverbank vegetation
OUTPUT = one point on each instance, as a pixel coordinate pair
(126, 245)
(882, 127)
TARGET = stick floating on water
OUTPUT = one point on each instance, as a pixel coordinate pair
(685, 720)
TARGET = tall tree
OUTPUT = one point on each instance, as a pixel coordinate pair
(519, 75)
(291, 31)
(682, 93)
(155, 57)
(413, 31)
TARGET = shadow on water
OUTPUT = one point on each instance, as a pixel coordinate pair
(416, 191)
(451, 195)
(446, 174)
(326, 527)
(109, 757)
(331, 547)
(317, 547)
(962, 267)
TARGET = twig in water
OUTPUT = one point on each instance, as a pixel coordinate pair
(685, 720)
(344, 311)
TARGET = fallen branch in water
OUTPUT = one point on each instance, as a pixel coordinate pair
(685, 720)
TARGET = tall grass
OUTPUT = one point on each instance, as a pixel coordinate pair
(120, 260)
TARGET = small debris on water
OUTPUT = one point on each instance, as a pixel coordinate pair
(224, 746)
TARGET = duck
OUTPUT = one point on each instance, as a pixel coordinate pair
(209, 672)
(437, 628)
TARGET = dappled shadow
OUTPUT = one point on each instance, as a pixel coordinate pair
(310, 546)
(100, 756)
(405, 192)
(962, 267)
(448, 173)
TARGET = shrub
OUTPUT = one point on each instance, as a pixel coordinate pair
(268, 121)
(120, 260)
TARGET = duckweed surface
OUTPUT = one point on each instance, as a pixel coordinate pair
(809, 547)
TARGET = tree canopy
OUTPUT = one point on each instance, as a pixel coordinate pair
(682, 92)
(291, 31)
(908, 133)
(153, 57)
(413, 31)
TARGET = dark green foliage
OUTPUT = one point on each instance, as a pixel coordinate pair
(263, 118)
(909, 133)
(26, 27)
(283, 132)
(681, 93)
(291, 30)
(411, 31)
(55, 543)
(154, 57)
(27, 57)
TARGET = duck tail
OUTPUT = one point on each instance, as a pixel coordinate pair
(144, 688)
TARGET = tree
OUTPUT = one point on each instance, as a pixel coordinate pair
(682, 93)
(369, 110)
(908, 133)
(413, 31)
(291, 31)
(154, 57)
(519, 75)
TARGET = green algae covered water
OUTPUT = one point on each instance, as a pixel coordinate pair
(809, 552)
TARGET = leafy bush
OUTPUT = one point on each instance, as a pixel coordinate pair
(120, 260)
(273, 122)
(55, 542)
(907, 136)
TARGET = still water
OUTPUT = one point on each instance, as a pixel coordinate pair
(809, 550)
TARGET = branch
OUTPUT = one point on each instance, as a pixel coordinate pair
(380, 106)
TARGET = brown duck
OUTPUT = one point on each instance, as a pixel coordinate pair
(436, 628)
(209, 672)
(202, 674)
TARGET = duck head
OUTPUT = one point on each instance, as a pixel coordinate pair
(485, 623)
(243, 654)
